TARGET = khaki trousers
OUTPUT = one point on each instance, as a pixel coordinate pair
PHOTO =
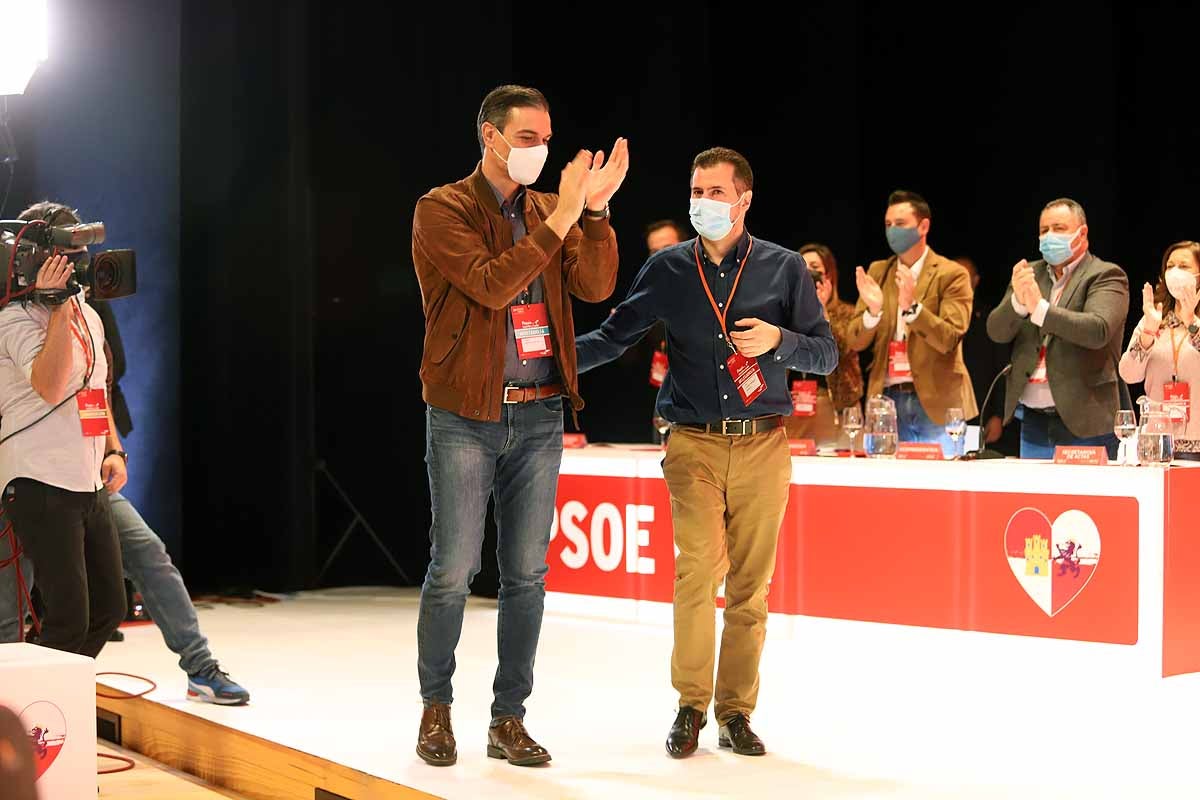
(728, 497)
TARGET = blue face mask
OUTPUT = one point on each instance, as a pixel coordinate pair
(901, 240)
(711, 219)
(1056, 247)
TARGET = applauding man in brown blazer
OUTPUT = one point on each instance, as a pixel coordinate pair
(498, 264)
(913, 310)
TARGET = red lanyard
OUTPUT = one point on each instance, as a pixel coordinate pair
(1175, 350)
(722, 315)
(78, 325)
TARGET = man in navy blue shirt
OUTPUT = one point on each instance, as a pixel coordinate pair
(739, 312)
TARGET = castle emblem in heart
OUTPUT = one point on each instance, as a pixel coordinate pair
(1053, 562)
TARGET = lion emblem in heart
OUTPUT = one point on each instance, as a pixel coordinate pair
(1052, 561)
(47, 729)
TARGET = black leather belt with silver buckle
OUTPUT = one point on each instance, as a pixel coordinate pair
(736, 427)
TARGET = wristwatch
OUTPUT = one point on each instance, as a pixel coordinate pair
(121, 453)
(1194, 328)
(587, 212)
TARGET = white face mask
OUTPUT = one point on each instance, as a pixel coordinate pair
(711, 219)
(1178, 281)
(524, 163)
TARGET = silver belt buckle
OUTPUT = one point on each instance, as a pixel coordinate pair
(506, 401)
(725, 429)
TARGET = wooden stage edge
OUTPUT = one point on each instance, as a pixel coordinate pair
(249, 765)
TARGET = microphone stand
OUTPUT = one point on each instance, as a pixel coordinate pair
(982, 453)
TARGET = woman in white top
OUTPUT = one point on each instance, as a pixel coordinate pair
(1165, 349)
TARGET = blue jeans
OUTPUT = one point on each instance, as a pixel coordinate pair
(146, 563)
(1041, 433)
(515, 460)
(914, 425)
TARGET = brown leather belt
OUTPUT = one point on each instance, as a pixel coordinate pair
(527, 394)
(903, 388)
(736, 427)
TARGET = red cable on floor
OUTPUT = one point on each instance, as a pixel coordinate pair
(24, 601)
(128, 762)
(126, 696)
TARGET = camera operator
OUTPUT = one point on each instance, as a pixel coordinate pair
(144, 557)
(60, 457)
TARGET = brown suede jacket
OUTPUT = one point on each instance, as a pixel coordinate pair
(469, 271)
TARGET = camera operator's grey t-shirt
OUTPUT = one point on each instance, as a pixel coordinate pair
(54, 451)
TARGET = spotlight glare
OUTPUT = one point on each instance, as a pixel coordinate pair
(26, 43)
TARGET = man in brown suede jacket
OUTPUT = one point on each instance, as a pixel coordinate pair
(498, 263)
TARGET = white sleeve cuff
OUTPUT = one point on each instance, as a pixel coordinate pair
(909, 319)
(871, 321)
(1021, 310)
(1038, 316)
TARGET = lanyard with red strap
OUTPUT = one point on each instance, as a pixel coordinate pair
(1039, 374)
(745, 371)
(78, 326)
(722, 315)
(93, 403)
(1176, 389)
(1176, 348)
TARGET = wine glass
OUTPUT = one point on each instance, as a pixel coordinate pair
(852, 422)
(956, 427)
(1125, 427)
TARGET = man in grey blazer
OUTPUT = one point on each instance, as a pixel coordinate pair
(1065, 317)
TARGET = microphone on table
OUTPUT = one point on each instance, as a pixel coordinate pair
(982, 452)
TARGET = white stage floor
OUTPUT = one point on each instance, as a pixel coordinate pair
(333, 673)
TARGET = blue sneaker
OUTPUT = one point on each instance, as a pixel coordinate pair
(211, 685)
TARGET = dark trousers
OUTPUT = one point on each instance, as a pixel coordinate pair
(1041, 432)
(72, 541)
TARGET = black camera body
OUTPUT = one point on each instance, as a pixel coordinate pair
(25, 246)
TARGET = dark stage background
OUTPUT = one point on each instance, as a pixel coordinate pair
(265, 158)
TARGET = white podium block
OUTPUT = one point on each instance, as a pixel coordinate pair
(54, 693)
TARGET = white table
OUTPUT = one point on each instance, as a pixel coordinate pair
(921, 544)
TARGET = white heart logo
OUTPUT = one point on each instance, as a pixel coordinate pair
(1053, 563)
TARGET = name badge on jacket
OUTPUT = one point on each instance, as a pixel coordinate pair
(93, 412)
(747, 376)
(531, 326)
(898, 366)
(658, 368)
(804, 398)
(1179, 390)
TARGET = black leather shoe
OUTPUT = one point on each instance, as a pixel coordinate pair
(685, 733)
(736, 734)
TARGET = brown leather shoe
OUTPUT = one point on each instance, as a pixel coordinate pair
(508, 739)
(435, 742)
